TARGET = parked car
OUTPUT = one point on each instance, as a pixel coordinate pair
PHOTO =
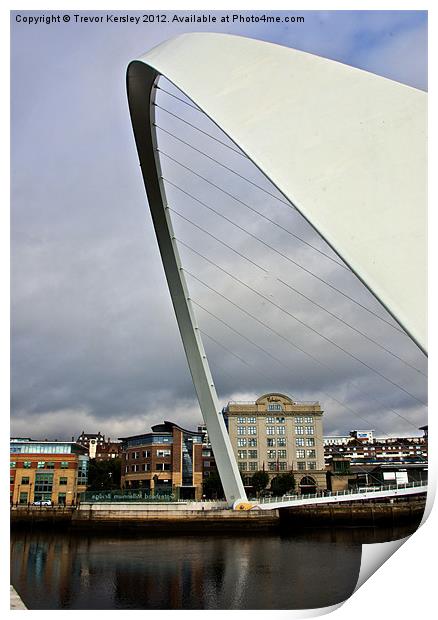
(43, 502)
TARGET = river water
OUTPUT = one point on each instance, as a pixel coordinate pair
(71, 570)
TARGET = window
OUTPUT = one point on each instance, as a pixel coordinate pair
(282, 454)
(301, 454)
(62, 499)
(146, 454)
(275, 407)
(242, 466)
(162, 467)
(281, 430)
(252, 466)
(251, 420)
(310, 441)
(272, 466)
(135, 467)
(241, 419)
(13, 464)
(270, 442)
(270, 419)
(298, 420)
(299, 442)
(241, 430)
(272, 454)
(146, 467)
(41, 464)
(241, 454)
(11, 479)
(252, 442)
(280, 420)
(301, 466)
(270, 430)
(135, 455)
(162, 453)
(241, 441)
(252, 454)
(43, 483)
(311, 465)
(252, 430)
(63, 480)
(282, 465)
(23, 497)
(25, 480)
(281, 441)
(310, 430)
(50, 465)
(64, 464)
(299, 430)
(311, 454)
(308, 419)
(27, 464)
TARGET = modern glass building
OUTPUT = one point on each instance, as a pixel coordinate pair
(166, 461)
(47, 470)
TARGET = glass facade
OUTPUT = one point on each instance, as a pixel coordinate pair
(187, 460)
(83, 470)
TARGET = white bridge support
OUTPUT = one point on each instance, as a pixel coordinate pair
(346, 147)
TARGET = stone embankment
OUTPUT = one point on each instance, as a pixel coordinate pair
(215, 517)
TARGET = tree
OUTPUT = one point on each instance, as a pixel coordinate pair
(212, 486)
(283, 483)
(259, 481)
(104, 475)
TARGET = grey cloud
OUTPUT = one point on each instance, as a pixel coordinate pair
(94, 340)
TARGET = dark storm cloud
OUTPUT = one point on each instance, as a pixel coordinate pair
(95, 344)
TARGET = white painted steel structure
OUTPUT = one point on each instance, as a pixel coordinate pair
(386, 491)
(346, 147)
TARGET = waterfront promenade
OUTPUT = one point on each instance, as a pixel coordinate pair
(214, 516)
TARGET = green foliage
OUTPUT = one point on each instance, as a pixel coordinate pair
(283, 483)
(212, 487)
(259, 481)
(104, 475)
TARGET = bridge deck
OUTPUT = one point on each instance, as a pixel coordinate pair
(387, 491)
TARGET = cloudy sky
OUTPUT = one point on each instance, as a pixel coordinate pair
(95, 345)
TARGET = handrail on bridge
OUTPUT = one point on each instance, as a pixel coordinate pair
(359, 491)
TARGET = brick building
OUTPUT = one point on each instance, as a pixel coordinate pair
(361, 447)
(98, 447)
(166, 461)
(47, 470)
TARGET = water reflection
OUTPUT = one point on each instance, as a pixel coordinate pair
(61, 570)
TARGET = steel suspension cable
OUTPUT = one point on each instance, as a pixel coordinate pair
(288, 257)
(316, 440)
(289, 286)
(205, 133)
(293, 344)
(262, 296)
(216, 161)
(219, 214)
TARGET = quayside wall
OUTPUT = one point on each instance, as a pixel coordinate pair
(209, 518)
(355, 513)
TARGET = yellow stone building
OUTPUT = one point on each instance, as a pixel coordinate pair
(54, 471)
(278, 434)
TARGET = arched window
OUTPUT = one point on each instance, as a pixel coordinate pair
(307, 485)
